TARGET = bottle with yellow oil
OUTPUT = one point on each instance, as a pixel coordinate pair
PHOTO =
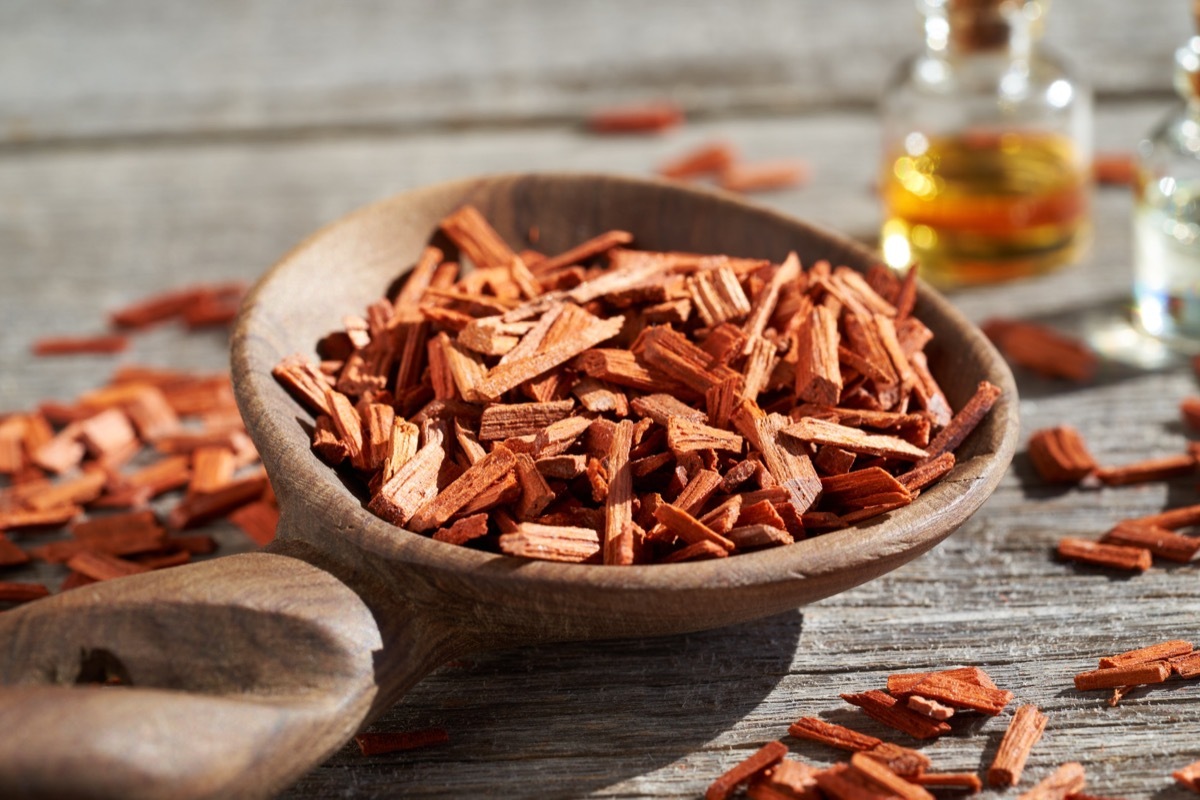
(986, 149)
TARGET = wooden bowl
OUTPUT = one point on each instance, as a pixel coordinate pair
(345, 612)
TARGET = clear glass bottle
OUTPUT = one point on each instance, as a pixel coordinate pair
(1166, 216)
(986, 148)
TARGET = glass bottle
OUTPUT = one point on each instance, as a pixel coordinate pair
(1166, 216)
(986, 148)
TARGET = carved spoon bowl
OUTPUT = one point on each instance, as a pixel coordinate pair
(242, 673)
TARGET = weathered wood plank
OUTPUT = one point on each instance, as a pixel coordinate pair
(122, 67)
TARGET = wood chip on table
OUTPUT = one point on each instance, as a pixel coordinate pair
(746, 770)
(61, 453)
(144, 403)
(1186, 666)
(1154, 652)
(25, 520)
(706, 158)
(103, 567)
(885, 709)
(1135, 559)
(75, 491)
(212, 468)
(1023, 732)
(1067, 780)
(1114, 168)
(1060, 455)
(1189, 411)
(930, 708)
(1148, 470)
(178, 303)
(199, 509)
(99, 344)
(963, 694)
(840, 782)
(259, 520)
(11, 555)
(1127, 675)
(1188, 777)
(788, 779)
(902, 683)
(650, 117)
(1160, 542)
(21, 592)
(839, 736)
(1171, 519)
(764, 176)
(154, 479)
(888, 781)
(901, 760)
(1042, 349)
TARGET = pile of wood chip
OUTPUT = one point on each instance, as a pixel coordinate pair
(925, 705)
(922, 705)
(96, 464)
(619, 406)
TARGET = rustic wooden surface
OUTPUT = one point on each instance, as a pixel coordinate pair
(122, 173)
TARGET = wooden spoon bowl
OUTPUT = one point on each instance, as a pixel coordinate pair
(379, 607)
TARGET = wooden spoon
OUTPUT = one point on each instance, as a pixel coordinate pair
(244, 672)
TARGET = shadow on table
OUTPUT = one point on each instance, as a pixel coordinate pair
(565, 720)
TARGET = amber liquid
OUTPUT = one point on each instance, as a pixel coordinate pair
(982, 208)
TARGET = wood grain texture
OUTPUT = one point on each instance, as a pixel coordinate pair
(85, 230)
(130, 67)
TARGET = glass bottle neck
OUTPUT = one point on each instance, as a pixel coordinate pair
(993, 27)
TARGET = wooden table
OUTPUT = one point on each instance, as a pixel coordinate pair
(97, 209)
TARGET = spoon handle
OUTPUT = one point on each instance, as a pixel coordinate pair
(233, 677)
